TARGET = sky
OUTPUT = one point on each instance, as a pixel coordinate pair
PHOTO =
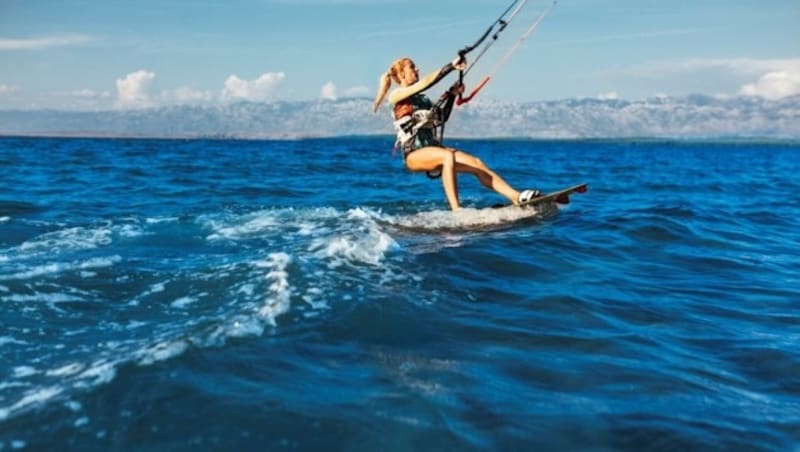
(116, 54)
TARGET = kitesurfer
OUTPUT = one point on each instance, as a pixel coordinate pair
(416, 119)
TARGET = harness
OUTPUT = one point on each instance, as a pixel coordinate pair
(427, 121)
(409, 126)
(423, 126)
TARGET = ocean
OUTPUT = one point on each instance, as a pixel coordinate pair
(314, 295)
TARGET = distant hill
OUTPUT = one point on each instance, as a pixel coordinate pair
(690, 117)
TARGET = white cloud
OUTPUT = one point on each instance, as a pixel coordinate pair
(132, 91)
(41, 43)
(259, 89)
(774, 85)
(328, 91)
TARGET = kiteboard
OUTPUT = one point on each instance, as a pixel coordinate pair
(471, 219)
(558, 196)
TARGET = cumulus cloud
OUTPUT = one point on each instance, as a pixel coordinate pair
(259, 89)
(774, 85)
(41, 43)
(132, 91)
(328, 91)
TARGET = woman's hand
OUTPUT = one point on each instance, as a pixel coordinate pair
(460, 63)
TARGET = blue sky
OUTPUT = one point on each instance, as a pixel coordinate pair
(98, 54)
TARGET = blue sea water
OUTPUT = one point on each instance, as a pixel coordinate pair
(313, 295)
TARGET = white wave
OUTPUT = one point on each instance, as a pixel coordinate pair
(10, 340)
(168, 344)
(302, 222)
(255, 312)
(13, 384)
(4, 219)
(71, 239)
(161, 220)
(260, 223)
(63, 371)
(83, 376)
(368, 249)
(77, 238)
(316, 238)
(306, 228)
(31, 398)
(161, 351)
(61, 267)
(134, 324)
(130, 231)
(154, 288)
(98, 373)
(24, 371)
(81, 421)
(279, 298)
(183, 302)
(362, 240)
(50, 298)
(239, 326)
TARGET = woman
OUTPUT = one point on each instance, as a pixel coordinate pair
(422, 151)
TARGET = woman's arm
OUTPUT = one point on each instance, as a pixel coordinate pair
(422, 84)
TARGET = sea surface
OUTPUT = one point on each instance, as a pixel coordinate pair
(314, 295)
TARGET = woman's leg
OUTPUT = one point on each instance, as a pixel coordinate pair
(431, 158)
(452, 161)
(466, 163)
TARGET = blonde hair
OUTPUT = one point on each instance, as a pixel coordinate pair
(387, 78)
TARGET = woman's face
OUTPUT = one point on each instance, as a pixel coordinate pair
(410, 74)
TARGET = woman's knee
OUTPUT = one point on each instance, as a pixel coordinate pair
(427, 158)
(449, 160)
(470, 160)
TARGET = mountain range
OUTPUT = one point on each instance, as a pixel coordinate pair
(694, 116)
